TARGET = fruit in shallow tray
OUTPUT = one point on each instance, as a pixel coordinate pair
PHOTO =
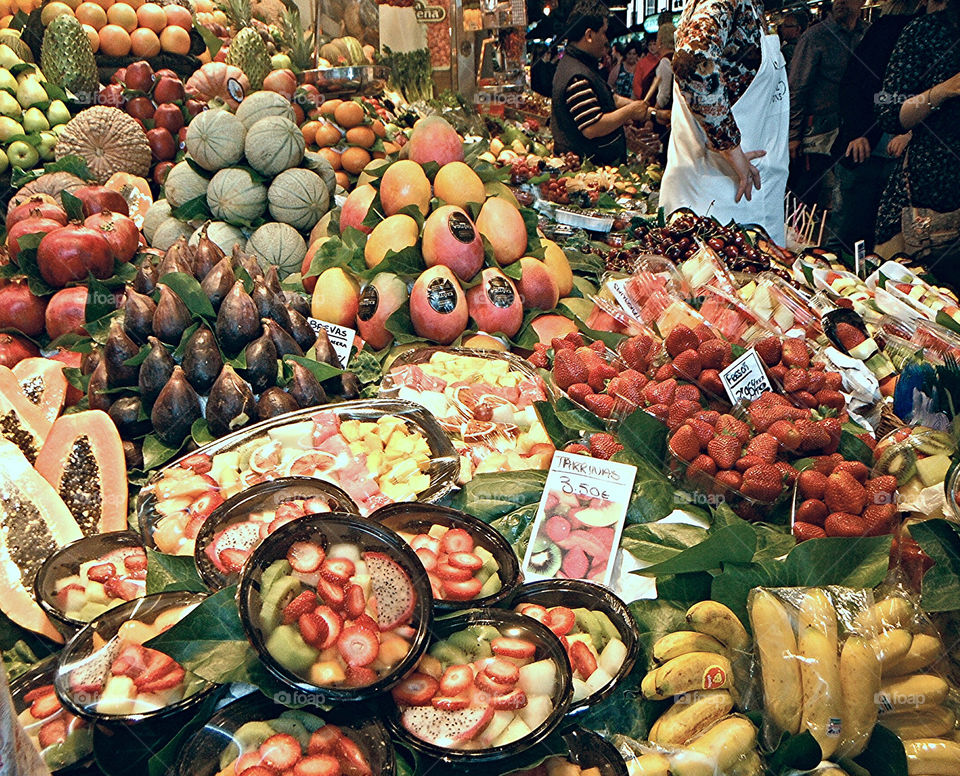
(504, 228)
(450, 238)
(495, 304)
(404, 184)
(438, 307)
(434, 140)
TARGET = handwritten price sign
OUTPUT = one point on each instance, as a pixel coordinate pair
(745, 379)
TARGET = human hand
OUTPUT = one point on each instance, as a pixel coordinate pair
(639, 111)
(898, 144)
(794, 148)
(858, 149)
(748, 176)
(951, 86)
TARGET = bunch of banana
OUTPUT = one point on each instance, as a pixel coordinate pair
(726, 748)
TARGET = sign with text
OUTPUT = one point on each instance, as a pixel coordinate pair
(745, 379)
(619, 290)
(341, 338)
(582, 510)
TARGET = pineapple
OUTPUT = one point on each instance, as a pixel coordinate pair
(295, 42)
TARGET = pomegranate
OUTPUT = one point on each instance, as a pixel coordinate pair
(70, 359)
(111, 95)
(118, 230)
(282, 82)
(25, 227)
(168, 89)
(14, 349)
(97, 198)
(162, 145)
(71, 253)
(66, 312)
(20, 309)
(35, 209)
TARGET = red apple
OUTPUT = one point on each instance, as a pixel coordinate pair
(168, 116)
(169, 88)
(162, 144)
(112, 96)
(165, 72)
(120, 232)
(195, 107)
(282, 82)
(140, 108)
(161, 171)
(118, 75)
(139, 76)
(182, 138)
(20, 309)
(66, 312)
(97, 198)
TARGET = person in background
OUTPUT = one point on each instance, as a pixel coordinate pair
(646, 68)
(542, 70)
(621, 78)
(790, 29)
(587, 118)
(729, 123)
(867, 154)
(663, 96)
(818, 65)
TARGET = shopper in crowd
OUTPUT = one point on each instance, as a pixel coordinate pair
(663, 96)
(867, 154)
(729, 123)
(921, 95)
(818, 65)
(587, 117)
(621, 78)
(542, 70)
(646, 69)
(791, 27)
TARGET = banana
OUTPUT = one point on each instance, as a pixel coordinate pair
(683, 642)
(691, 714)
(726, 742)
(649, 765)
(931, 722)
(932, 757)
(859, 684)
(924, 651)
(649, 686)
(750, 765)
(892, 612)
(909, 693)
(820, 678)
(715, 619)
(816, 610)
(780, 672)
(892, 645)
(693, 671)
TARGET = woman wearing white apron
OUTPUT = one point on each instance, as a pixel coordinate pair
(728, 155)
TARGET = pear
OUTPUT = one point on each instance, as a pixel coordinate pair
(9, 128)
(4, 162)
(34, 120)
(48, 140)
(30, 92)
(7, 57)
(7, 81)
(58, 113)
(9, 106)
(23, 155)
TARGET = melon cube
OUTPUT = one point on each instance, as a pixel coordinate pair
(344, 550)
(580, 689)
(612, 657)
(538, 708)
(437, 531)
(514, 732)
(95, 592)
(538, 678)
(498, 724)
(118, 696)
(598, 680)
(326, 673)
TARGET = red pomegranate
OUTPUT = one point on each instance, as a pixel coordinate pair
(66, 312)
(20, 309)
(71, 253)
(71, 359)
(28, 226)
(97, 198)
(118, 230)
(35, 209)
(14, 349)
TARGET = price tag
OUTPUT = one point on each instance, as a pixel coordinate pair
(341, 338)
(581, 514)
(860, 259)
(619, 290)
(745, 379)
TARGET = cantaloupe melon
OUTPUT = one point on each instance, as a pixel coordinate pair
(183, 184)
(215, 139)
(273, 144)
(280, 245)
(298, 197)
(235, 197)
(262, 104)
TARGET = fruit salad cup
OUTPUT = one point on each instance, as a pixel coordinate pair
(235, 528)
(106, 674)
(492, 684)
(920, 459)
(584, 754)
(85, 578)
(468, 563)
(787, 309)
(594, 626)
(64, 740)
(336, 606)
(378, 451)
(254, 732)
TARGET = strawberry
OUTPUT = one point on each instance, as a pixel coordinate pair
(599, 404)
(804, 531)
(101, 572)
(38, 692)
(355, 602)
(715, 354)
(788, 472)
(45, 706)
(684, 444)
(568, 368)
(352, 759)
(456, 679)
(728, 424)
(331, 594)
(446, 571)
(598, 346)
(879, 519)
(660, 411)
(416, 690)
(680, 411)
(53, 732)
(687, 364)
(811, 484)
(581, 658)
(313, 628)
(844, 494)
(559, 343)
(764, 446)
(867, 438)
(660, 392)
(337, 570)
(306, 557)
(811, 511)
(486, 684)
(705, 432)
(687, 393)
(367, 622)
(115, 587)
(729, 479)
(762, 482)
(766, 415)
(804, 399)
(786, 433)
(334, 624)
(590, 358)
(813, 436)
(198, 463)
(516, 699)
(702, 464)
(280, 751)
(635, 352)
(303, 603)
(461, 590)
(502, 672)
(769, 350)
(828, 398)
(725, 450)
(358, 646)
(317, 765)
(560, 620)
(457, 540)
(704, 333)
(832, 381)
(510, 647)
(778, 372)
(825, 464)
(795, 380)
(679, 340)
(856, 469)
(848, 335)
(172, 678)
(664, 372)
(795, 354)
(880, 489)
(604, 445)
(747, 461)
(844, 524)
(815, 381)
(625, 391)
(710, 382)
(598, 375)
(249, 764)
(539, 359)
(579, 391)
(575, 338)
(708, 416)
(577, 449)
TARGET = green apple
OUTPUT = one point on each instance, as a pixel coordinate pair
(7, 57)
(47, 142)
(9, 106)
(32, 72)
(30, 92)
(34, 120)
(4, 163)
(7, 81)
(281, 62)
(23, 155)
(58, 128)
(8, 128)
(58, 113)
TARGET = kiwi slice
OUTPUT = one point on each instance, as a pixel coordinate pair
(288, 648)
(485, 632)
(448, 654)
(279, 594)
(310, 721)
(491, 586)
(587, 622)
(247, 737)
(933, 443)
(609, 629)
(545, 559)
(277, 569)
(900, 461)
(465, 641)
(293, 728)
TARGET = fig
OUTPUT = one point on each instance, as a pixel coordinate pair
(178, 258)
(138, 311)
(271, 279)
(146, 278)
(283, 342)
(218, 281)
(298, 302)
(237, 320)
(269, 305)
(324, 350)
(96, 396)
(275, 401)
(171, 318)
(116, 350)
(155, 371)
(248, 262)
(305, 388)
(127, 415)
(175, 410)
(133, 453)
(301, 331)
(351, 386)
(231, 404)
(207, 254)
(90, 360)
(201, 360)
(261, 357)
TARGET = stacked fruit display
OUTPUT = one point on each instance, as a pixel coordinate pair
(917, 457)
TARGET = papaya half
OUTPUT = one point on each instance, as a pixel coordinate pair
(21, 421)
(44, 384)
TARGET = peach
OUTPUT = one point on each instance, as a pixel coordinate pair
(552, 325)
(450, 238)
(434, 140)
(394, 233)
(404, 183)
(503, 226)
(559, 266)
(355, 208)
(438, 308)
(336, 297)
(379, 299)
(484, 342)
(457, 184)
(538, 289)
(494, 304)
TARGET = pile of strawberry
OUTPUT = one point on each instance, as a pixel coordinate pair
(806, 382)
(600, 445)
(839, 498)
(698, 356)
(328, 753)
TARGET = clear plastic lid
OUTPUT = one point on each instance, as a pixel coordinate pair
(786, 307)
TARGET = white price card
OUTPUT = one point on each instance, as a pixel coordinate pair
(745, 379)
(619, 290)
(341, 338)
(860, 259)
(582, 510)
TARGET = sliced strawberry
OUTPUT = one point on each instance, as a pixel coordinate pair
(130, 662)
(331, 594)
(115, 587)
(447, 572)
(485, 684)
(198, 463)
(535, 611)
(316, 505)
(427, 558)
(502, 672)
(324, 740)
(101, 572)
(355, 603)
(360, 676)
(158, 664)
(560, 620)
(280, 751)
(313, 628)
(136, 561)
(425, 542)
(466, 590)
(302, 604)
(507, 647)
(232, 560)
(305, 557)
(456, 679)
(352, 759)
(366, 621)
(202, 506)
(582, 660)
(44, 706)
(53, 732)
(38, 692)
(358, 646)
(64, 591)
(416, 690)
(256, 770)
(334, 625)
(246, 763)
(337, 570)
(318, 765)
(279, 522)
(456, 540)
(509, 702)
(465, 560)
(169, 680)
(446, 703)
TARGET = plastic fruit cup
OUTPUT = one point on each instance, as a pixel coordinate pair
(420, 518)
(510, 626)
(575, 745)
(263, 498)
(234, 728)
(579, 594)
(66, 562)
(95, 664)
(305, 665)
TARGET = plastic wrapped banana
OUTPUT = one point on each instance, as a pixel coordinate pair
(727, 747)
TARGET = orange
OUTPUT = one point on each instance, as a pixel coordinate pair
(114, 41)
(378, 129)
(327, 135)
(175, 39)
(93, 36)
(332, 156)
(52, 10)
(342, 179)
(179, 16)
(104, 4)
(152, 16)
(144, 43)
(91, 14)
(328, 107)
(122, 15)
(361, 136)
(349, 114)
(309, 131)
(354, 159)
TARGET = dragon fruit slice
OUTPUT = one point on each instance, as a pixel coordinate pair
(239, 536)
(88, 674)
(446, 728)
(393, 589)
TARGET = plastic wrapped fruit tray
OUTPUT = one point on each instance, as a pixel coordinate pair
(591, 221)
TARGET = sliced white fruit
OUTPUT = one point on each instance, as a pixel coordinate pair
(598, 680)
(500, 722)
(580, 689)
(514, 732)
(96, 593)
(118, 696)
(539, 678)
(612, 657)
(345, 550)
(538, 708)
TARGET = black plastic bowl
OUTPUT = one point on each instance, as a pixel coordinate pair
(327, 529)
(574, 594)
(510, 625)
(417, 518)
(266, 495)
(201, 754)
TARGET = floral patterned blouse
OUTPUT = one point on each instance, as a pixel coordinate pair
(718, 53)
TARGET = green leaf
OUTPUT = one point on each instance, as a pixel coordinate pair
(884, 755)
(72, 205)
(512, 271)
(574, 417)
(166, 573)
(795, 752)
(320, 370)
(191, 294)
(375, 212)
(366, 366)
(941, 584)
(192, 209)
(694, 586)
(657, 542)
(211, 41)
(559, 434)
(653, 497)
(732, 586)
(854, 449)
(947, 321)
(400, 325)
(516, 527)
(156, 453)
(407, 263)
(531, 220)
(852, 562)
(489, 496)
(730, 544)
(200, 432)
(645, 435)
(54, 91)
